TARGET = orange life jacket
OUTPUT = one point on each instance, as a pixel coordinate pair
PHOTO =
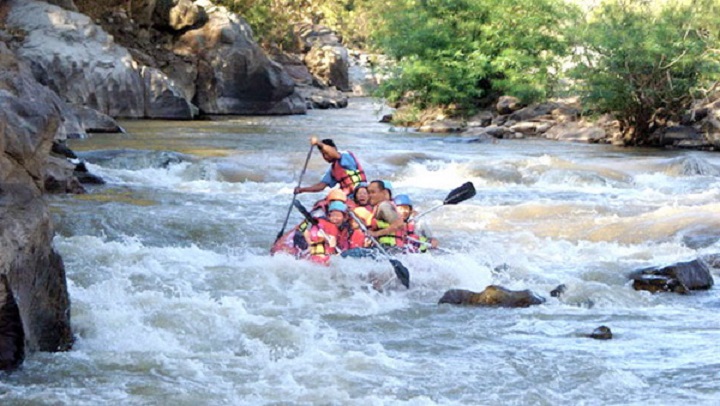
(348, 178)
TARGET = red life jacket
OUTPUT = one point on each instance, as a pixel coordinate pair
(319, 245)
(347, 178)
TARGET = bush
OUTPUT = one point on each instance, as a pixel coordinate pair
(644, 61)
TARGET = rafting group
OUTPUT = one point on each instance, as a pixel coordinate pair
(357, 218)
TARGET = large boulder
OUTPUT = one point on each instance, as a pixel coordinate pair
(79, 61)
(330, 63)
(234, 76)
(492, 296)
(679, 278)
(34, 302)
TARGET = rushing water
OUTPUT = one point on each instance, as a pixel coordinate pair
(175, 299)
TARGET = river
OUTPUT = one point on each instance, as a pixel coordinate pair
(175, 299)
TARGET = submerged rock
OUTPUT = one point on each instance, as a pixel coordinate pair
(493, 295)
(679, 278)
(601, 333)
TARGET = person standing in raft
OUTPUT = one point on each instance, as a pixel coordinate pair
(418, 237)
(345, 170)
(323, 237)
(387, 226)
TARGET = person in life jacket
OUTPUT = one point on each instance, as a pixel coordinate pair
(362, 198)
(345, 169)
(418, 237)
(319, 210)
(387, 227)
(323, 237)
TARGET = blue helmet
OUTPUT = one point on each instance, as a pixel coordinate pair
(387, 185)
(337, 205)
(403, 200)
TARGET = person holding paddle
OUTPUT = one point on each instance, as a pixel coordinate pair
(345, 169)
(418, 236)
(386, 226)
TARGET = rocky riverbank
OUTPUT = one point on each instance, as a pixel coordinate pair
(64, 74)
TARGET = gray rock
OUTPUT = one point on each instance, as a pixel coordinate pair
(492, 296)
(234, 74)
(679, 278)
(602, 333)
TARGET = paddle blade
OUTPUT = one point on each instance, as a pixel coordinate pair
(401, 272)
(312, 220)
(460, 194)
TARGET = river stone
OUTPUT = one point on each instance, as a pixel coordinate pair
(492, 296)
(601, 333)
(234, 76)
(679, 278)
(93, 121)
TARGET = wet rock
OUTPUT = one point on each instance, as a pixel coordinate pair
(601, 333)
(61, 149)
(492, 296)
(558, 291)
(679, 278)
(12, 337)
(85, 177)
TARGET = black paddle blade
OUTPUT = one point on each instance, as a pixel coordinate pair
(460, 194)
(312, 220)
(401, 272)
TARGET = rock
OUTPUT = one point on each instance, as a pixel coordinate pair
(12, 337)
(234, 76)
(531, 127)
(85, 177)
(61, 149)
(178, 15)
(442, 126)
(162, 98)
(576, 132)
(60, 177)
(386, 118)
(676, 135)
(508, 105)
(558, 291)
(329, 63)
(492, 296)
(66, 4)
(601, 333)
(31, 272)
(78, 60)
(534, 112)
(481, 119)
(93, 121)
(492, 131)
(323, 98)
(679, 278)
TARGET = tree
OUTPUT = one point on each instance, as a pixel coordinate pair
(463, 51)
(643, 61)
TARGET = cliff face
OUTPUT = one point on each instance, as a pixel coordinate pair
(34, 303)
(170, 59)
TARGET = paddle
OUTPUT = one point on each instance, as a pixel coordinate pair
(400, 271)
(282, 230)
(457, 195)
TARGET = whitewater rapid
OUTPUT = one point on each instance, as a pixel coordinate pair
(176, 300)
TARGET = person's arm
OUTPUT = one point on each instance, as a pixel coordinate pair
(318, 187)
(388, 214)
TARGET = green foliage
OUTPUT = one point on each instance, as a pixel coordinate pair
(461, 51)
(642, 61)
